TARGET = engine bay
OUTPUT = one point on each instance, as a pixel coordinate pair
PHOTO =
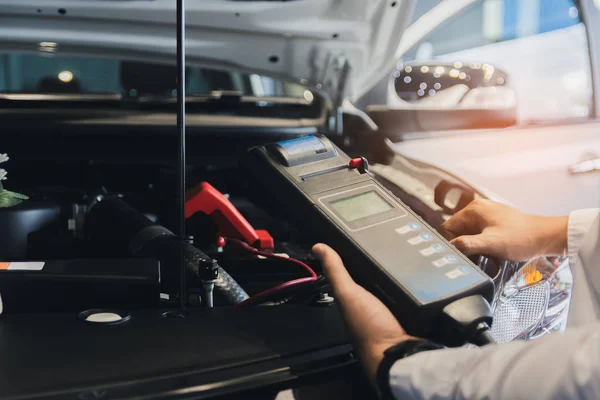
(107, 197)
(111, 211)
(59, 224)
(105, 253)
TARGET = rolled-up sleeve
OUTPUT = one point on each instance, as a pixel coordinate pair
(584, 251)
(557, 366)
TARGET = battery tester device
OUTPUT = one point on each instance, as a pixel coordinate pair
(432, 288)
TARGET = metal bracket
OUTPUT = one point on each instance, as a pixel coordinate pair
(181, 162)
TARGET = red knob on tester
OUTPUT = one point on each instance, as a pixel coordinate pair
(359, 163)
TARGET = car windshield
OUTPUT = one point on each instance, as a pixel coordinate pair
(81, 77)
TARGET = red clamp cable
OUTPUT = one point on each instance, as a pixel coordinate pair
(265, 294)
(230, 223)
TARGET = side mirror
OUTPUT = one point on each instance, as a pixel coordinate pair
(418, 82)
(447, 96)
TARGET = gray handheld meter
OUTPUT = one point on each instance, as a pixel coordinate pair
(385, 246)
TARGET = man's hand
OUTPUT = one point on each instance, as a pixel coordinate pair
(372, 325)
(492, 229)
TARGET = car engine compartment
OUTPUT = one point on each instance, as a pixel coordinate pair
(89, 214)
(91, 281)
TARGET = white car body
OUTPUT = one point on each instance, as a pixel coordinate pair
(307, 41)
(529, 166)
(561, 91)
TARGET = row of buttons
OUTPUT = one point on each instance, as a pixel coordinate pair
(433, 249)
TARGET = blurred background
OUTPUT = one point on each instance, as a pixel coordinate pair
(540, 44)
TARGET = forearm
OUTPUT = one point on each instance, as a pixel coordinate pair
(551, 235)
(555, 367)
(559, 236)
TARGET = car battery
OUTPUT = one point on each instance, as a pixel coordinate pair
(78, 285)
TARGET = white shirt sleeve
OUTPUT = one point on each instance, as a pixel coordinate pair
(584, 259)
(557, 366)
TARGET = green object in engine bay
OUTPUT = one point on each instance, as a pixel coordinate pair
(8, 198)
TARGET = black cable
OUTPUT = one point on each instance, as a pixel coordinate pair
(181, 155)
(471, 318)
(485, 337)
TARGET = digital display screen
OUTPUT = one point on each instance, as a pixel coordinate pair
(360, 205)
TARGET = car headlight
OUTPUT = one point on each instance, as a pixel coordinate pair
(532, 299)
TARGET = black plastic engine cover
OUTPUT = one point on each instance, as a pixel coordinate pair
(79, 285)
(18, 222)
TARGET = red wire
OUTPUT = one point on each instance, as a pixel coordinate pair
(282, 286)
(276, 289)
(293, 260)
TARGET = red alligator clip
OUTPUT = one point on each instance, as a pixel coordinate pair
(230, 223)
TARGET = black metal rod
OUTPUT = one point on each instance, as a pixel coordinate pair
(181, 150)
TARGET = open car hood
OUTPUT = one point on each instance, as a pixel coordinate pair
(320, 43)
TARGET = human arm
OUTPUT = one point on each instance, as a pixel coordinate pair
(373, 327)
(488, 228)
(493, 229)
(557, 366)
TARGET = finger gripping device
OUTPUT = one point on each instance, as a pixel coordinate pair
(385, 246)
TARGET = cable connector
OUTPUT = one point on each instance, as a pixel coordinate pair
(472, 318)
(208, 273)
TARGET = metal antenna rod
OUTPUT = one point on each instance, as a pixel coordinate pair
(181, 145)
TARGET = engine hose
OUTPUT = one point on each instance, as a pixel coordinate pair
(230, 288)
(117, 225)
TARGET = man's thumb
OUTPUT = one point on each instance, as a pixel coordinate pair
(333, 265)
